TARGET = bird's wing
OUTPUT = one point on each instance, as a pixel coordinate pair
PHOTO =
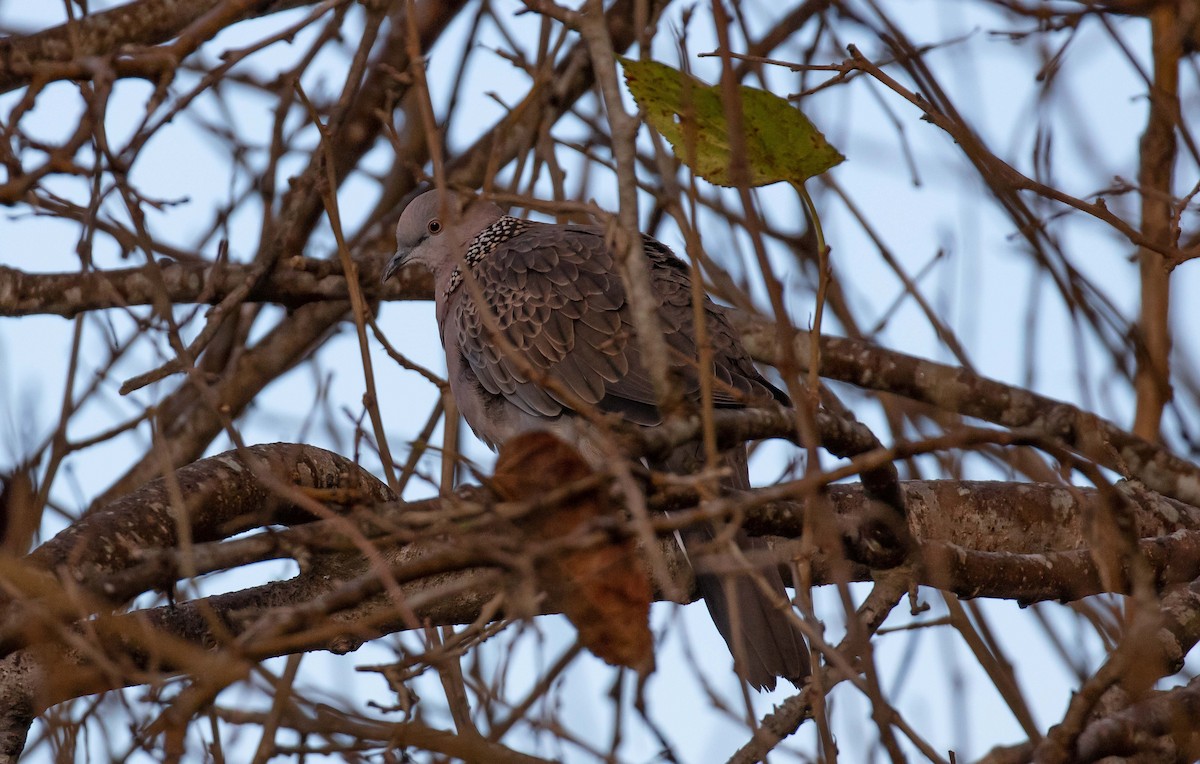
(736, 380)
(554, 294)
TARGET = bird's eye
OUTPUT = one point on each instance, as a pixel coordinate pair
(434, 227)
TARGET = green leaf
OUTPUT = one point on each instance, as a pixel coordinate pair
(780, 142)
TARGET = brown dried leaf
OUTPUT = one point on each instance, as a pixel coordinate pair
(604, 591)
(19, 514)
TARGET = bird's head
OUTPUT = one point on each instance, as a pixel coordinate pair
(435, 230)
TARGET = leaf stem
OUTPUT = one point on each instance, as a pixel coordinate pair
(814, 364)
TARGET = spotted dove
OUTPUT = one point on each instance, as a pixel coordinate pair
(554, 295)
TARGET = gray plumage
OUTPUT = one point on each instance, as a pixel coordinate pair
(554, 293)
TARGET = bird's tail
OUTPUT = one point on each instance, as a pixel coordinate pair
(761, 636)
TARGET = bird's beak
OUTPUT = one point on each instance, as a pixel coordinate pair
(395, 264)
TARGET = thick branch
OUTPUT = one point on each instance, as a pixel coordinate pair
(145, 22)
(978, 539)
(220, 496)
(294, 282)
(950, 388)
(1170, 715)
(1157, 164)
(208, 500)
(857, 362)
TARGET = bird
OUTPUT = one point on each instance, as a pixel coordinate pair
(553, 293)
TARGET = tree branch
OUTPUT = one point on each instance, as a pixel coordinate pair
(857, 362)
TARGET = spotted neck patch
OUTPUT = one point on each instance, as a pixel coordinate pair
(484, 244)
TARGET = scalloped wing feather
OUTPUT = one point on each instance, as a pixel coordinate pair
(554, 294)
